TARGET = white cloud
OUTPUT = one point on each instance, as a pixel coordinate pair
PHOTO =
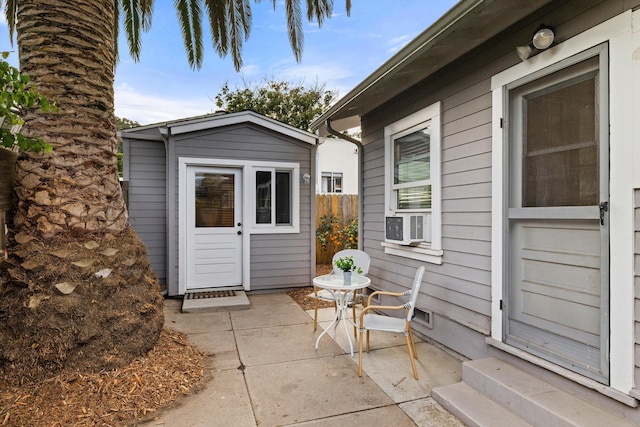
(146, 109)
(398, 43)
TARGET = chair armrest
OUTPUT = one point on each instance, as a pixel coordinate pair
(378, 307)
(392, 294)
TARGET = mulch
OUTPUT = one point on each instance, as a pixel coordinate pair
(121, 397)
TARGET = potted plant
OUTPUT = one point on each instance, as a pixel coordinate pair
(347, 265)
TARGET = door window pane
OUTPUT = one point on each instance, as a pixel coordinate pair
(560, 165)
(214, 200)
(263, 197)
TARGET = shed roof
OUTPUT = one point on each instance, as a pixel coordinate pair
(214, 120)
(464, 27)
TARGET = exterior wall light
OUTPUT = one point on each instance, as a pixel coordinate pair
(542, 39)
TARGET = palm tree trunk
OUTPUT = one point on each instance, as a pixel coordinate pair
(78, 289)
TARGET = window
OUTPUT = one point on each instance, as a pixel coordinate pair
(412, 182)
(274, 197)
(273, 209)
(332, 182)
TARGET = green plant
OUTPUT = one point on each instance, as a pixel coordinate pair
(342, 236)
(347, 264)
(325, 230)
(16, 97)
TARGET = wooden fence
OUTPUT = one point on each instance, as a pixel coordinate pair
(342, 206)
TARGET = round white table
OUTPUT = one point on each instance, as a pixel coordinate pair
(342, 292)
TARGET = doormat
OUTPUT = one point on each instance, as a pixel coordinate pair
(222, 300)
(210, 294)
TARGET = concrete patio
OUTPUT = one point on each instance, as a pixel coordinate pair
(267, 372)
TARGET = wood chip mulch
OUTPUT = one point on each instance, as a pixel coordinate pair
(300, 295)
(170, 371)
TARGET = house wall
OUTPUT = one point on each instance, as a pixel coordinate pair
(338, 155)
(145, 172)
(458, 292)
(277, 260)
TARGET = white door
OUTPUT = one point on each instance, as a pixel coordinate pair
(557, 241)
(213, 227)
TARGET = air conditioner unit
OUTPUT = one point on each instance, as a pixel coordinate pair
(404, 229)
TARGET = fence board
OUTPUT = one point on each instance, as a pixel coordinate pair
(342, 206)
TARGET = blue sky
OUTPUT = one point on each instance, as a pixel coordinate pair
(339, 55)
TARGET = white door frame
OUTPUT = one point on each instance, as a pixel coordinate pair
(618, 32)
(183, 164)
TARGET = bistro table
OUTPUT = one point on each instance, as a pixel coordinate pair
(342, 292)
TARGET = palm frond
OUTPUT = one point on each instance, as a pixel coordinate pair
(132, 27)
(146, 11)
(189, 16)
(10, 12)
(294, 27)
(116, 32)
(236, 23)
(319, 10)
(217, 13)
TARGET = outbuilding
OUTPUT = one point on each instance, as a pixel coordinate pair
(223, 201)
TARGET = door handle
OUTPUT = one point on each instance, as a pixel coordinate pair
(604, 207)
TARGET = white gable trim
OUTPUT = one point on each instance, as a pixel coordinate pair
(220, 120)
(619, 33)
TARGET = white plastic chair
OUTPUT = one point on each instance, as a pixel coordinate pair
(361, 260)
(380, 322)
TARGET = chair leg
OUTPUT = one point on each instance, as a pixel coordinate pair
(367, 341)
(411, 356)
(413, 344)
(360, 353)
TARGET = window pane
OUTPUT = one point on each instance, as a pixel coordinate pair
(263, 197)
(561, 147)
(283, 197)
(337, 183)
(414, 198)
(214, 200)
(411, 156)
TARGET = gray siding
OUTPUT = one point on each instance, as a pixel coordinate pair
(459, 290)
(277, 260)
(147, 199)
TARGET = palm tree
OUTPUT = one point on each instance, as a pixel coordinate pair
(77, 289)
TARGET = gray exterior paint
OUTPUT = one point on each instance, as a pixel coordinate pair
(154, 186)
(459, 292)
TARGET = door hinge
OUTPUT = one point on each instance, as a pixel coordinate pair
(500, 304)
(501, 123)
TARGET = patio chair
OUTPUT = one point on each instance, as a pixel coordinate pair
(380, 322)
(362, 261)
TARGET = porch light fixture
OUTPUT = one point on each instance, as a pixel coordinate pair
(542, 39)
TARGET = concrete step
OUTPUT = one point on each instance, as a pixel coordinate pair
(473, 408)
(531, 399)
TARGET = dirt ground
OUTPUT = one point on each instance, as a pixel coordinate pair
(172, 370)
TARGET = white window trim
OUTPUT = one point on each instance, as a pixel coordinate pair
(432, 252)
(618, 32)
(273, 228)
